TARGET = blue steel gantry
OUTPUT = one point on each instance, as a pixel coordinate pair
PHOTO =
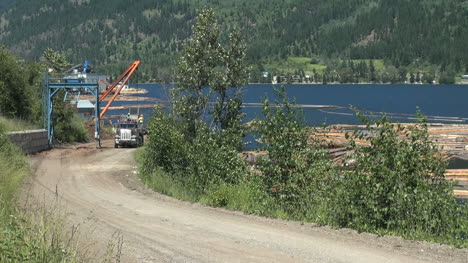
(53, 85)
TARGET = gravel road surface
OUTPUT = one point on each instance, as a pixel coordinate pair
(100, 190)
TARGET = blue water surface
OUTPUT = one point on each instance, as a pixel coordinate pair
(432, 100)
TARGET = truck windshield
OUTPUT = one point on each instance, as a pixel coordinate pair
(127, 126)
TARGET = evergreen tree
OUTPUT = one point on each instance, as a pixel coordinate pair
(372, 76)
(418, 77)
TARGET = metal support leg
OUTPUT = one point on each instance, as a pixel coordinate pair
(97, 132)
(49, 117)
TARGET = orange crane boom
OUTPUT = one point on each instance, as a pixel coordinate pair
(134, 65)
(122, 79)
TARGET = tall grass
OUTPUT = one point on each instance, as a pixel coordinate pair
(13, 169)
(17, 124)
(28, 234)
(24, 236)
(246, 196)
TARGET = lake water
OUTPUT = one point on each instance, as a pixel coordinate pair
(443, 103)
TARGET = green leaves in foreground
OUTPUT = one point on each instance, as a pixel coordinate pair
(397, 184)
(210, 70)
(294, 166)
(197, 163)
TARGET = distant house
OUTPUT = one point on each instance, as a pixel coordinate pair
(85, 109)
(464, 79)
(296, 79)
(282, 79)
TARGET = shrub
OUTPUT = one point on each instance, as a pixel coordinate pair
(68, 127)
(200, 162)
(165, 147)
(295, 166)
(15, 97)
(397, 185)
(212, 161)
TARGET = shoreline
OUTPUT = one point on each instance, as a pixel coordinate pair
(321, 84)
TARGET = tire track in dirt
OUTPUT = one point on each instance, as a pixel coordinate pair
(100, 186)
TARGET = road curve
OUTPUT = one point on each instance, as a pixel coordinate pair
(101, 186)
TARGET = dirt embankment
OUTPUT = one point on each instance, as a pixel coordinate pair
(100, 189)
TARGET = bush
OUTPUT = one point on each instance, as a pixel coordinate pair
(447, 77)
(295, 166)
(397, 185)
(68, 127)
(198, 162)
(165, 147)
(15, 97)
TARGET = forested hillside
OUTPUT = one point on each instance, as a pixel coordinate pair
(5, 3)
(327, 37)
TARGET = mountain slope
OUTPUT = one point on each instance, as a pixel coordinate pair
(6, 3)
(114, 33)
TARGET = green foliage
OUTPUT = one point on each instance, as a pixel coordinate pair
(213, 161)
(292, 64)
(68, 127)
(20, 90)
(13, 168)
(182, 144)
(16, 124)
(447, 77)
(397, 185)
(248, 196)
(55, 60)
(207, 70)
(196, 163)
(428, 78)
(165, 147)
(435, 31)
(293, 168)
(25, 237)
(16, 94)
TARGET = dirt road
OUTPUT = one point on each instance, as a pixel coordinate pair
(100, 188)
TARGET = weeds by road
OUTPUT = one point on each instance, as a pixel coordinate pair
(32, 230)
